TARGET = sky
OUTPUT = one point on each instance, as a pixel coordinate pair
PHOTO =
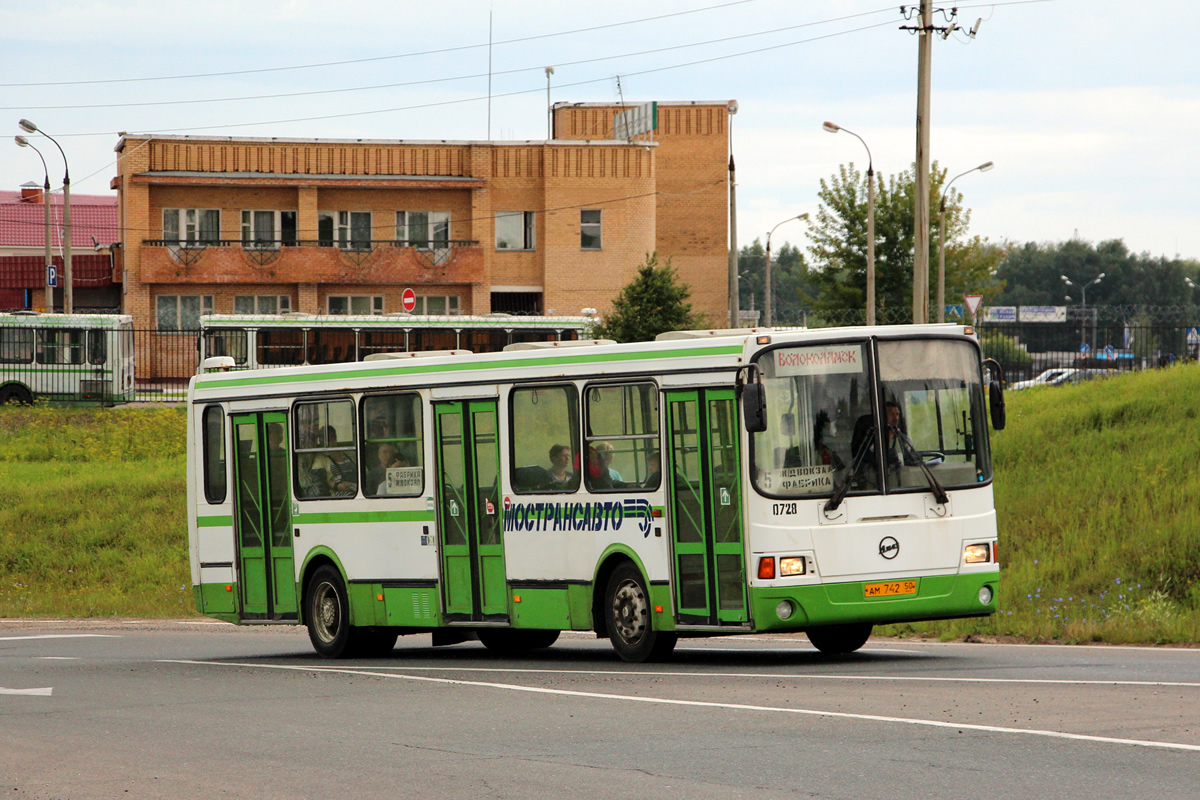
(1089, 108)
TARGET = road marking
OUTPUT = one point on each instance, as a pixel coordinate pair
(59, 658)
(61, 636)
(39, 692)
(801, 676)
(704, 704)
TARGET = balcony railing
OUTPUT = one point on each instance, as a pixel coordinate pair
(263, 250)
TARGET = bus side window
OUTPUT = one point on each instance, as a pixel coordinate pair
(545, 439)
(97, 350)
(622, 437)
(326, 450)
(214, 455)
(393, 446)
(16, 345)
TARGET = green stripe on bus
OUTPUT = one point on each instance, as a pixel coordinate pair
(215, 522)
(464, 366)
(331, 517)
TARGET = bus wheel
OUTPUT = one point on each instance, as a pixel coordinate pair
(327, 609)
(837, 640)
(630, 628)
(15, 393)
(506, 641)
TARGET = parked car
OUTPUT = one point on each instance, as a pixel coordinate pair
(1051, 377)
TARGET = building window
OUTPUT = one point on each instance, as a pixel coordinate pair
(524, 303)
(356, 304)
(349, 230)
(514, 230)
(268, 229)
(589, 229)
(192, 226)
(437, 305)
(182, 312)
(262, 304)
(424, 230)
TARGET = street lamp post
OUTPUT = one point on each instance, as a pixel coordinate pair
(23, 142)
(68, 298)
(941, 301)
(1083, 298)
(832, 128)
(767, 304)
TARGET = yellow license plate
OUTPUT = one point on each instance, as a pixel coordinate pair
(890, 588)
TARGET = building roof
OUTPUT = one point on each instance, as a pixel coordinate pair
(23, 224)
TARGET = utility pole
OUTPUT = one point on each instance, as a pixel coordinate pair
(921, 179)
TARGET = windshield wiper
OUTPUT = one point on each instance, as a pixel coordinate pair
(839, 491)
(939, 493)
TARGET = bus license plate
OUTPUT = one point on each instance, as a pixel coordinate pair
(890, 588)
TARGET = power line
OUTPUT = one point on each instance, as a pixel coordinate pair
(427, 81)
(513, 93)
(379, 58)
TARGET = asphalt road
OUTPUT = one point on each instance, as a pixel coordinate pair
(202, 709)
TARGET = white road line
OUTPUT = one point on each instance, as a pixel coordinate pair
(61, 636)
(59, 658)
(703, 704)
(795, 675)
(38, 692)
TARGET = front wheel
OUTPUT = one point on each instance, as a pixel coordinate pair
(836, 640)
(630, 628)
(327, 611)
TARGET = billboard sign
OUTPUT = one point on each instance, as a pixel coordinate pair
(1043, 313)
(1000, 314)
(636, 121)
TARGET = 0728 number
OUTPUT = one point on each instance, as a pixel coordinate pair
(780, 509)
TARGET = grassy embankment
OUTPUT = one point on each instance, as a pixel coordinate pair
(1098, 491)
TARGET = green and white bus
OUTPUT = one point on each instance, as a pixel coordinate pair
(708, 483)
(66, 357)
(256, 341)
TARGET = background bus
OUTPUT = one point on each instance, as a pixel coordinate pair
(66, 357)
(820, 481)
(258, 341)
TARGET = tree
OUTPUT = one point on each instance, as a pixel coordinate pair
(654, 302)
(839, 249)
(791, 283)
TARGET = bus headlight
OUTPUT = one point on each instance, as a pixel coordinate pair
(792, 565)
(977, 554)
(785, 609)
(985, 595)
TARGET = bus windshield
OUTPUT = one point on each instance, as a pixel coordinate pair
(830, 423)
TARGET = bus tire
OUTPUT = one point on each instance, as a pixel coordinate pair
(508, 642)
(627, 618)
(837, 640)
(327, 611)
(15, 393)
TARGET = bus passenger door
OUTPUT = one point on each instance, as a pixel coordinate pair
(262, 514)
(469, 514)
(706, 507)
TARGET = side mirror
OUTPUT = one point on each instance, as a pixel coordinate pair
(754, 407)
(996, 404)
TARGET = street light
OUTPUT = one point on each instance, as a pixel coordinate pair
(832, 128)
(23, 142)
(767, 306)
(68, 300)
(941, 301)
(1083, 296)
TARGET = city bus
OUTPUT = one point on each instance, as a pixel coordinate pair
(255, 341)
(707, 483)
(66, 357)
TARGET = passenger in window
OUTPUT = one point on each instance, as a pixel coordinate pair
(606, 452)
(560, 462)
(597, 472)
(379, 428)
(653, 470)
(314, 475)
(343, 477)
(377, 475)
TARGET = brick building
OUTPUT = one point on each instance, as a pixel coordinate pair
(225, 225)
(23, 250)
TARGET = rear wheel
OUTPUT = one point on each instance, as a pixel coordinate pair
(839, 639)
(506, 641)
(15, 393)
(627, 617)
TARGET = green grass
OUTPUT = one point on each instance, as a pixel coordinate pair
(1097, 494)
